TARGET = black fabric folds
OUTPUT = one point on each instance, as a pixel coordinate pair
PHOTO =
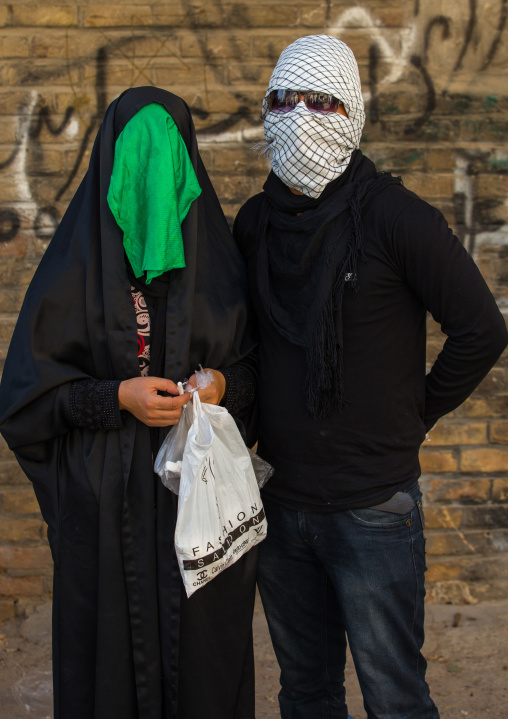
(117, 587)
(308, 251)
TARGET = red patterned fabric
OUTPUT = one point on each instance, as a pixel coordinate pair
(143, 320)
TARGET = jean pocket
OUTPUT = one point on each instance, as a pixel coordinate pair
(380, 518)
(377, 518)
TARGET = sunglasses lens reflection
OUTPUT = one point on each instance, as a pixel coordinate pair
(285, 100)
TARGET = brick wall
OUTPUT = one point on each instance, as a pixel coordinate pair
(434, 76)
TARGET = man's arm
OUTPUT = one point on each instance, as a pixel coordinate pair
(444, 276)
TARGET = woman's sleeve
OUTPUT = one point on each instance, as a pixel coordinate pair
(241, 384)
(93, 404)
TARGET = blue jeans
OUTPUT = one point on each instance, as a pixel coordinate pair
(358, 573)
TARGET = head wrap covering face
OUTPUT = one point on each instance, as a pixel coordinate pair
(153, 185)
(308, 150)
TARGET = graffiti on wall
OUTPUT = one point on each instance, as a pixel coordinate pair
(430, 49)
(437, 46)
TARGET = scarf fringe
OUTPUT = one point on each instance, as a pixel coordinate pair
(324, 384)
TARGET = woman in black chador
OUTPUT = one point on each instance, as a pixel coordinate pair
(141, 283)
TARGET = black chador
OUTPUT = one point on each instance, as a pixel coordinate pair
(121, 629)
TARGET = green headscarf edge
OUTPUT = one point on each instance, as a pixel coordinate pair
(152, 187)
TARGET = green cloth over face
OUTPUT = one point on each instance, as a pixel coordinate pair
(152, 187)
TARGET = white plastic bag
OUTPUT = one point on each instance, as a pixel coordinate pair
(262, 470)
(220, 514)
(168, 463)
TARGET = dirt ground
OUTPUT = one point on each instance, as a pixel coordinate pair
(466, 648)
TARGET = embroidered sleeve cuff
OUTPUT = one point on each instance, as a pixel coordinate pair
(94, 404)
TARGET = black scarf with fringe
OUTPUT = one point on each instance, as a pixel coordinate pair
(308, 253)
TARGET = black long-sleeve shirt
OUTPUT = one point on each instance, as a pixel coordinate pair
(361, 456)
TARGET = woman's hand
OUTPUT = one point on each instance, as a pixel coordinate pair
(215, 391)
(140, 397)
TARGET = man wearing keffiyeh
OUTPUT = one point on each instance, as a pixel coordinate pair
(344, 263)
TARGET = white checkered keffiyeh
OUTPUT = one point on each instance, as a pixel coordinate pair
(307, 149)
